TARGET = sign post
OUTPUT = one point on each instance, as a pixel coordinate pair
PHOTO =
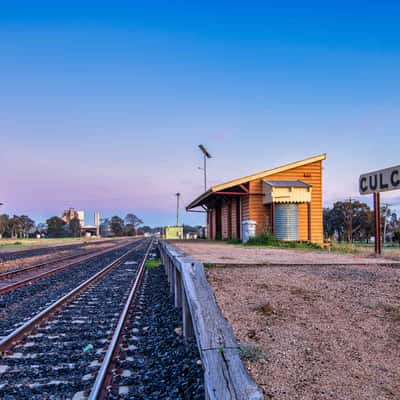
(377, 219)
(375, 182)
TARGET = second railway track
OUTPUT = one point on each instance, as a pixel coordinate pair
(13, 279)
(58, 353)
(18, 306)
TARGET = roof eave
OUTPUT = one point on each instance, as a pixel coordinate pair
(198, 201)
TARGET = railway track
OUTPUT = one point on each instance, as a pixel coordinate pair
(148, 357)
(46, 250)
(62, 351)
(11, 280)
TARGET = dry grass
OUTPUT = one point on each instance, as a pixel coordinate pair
(392, 311)
(21, 243)
(265, 309)
(252, 353)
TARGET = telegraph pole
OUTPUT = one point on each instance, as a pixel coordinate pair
(177, 208)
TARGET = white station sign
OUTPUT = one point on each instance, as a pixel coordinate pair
(380, 181)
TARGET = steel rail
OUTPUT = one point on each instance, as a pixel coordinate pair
(28, 326)
(55, 247)
(98, 388)
(54, 260)
(80, 259)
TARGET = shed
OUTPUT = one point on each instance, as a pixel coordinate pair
(285, 200)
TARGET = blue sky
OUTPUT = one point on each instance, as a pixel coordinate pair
(103, 106)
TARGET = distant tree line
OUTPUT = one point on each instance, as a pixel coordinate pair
(16, 226)
(117, 226)
(57, 227)
(352, 220)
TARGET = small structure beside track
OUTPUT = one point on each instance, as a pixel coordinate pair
(225, 376)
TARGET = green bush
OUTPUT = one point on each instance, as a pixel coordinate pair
(233, 241)
(267, 239)
(263, 239)
(153, 263)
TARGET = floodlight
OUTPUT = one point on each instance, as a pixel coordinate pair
(204, 150)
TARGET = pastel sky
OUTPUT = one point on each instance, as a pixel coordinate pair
(103, 106)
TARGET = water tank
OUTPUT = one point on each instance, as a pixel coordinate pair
(286, 221)
(248, 230)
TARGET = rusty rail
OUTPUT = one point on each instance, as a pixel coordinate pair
(103, 377)
(81, 258)
(30, 325)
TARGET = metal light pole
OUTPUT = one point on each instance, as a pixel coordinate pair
(177, 208)
(1, 235)
(206, 155)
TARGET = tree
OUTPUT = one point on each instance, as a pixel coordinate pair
(132, 219)
(75, 227)
(349, 220)
(117, 226)
(3, 224)
(14, 226)
(56, 227)
(41, 229)
(130, 230)
(396, 236)
(105, 227)
(26, 224)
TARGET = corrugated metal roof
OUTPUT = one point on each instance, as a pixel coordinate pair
(287, 183)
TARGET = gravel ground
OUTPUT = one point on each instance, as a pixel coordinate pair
(317, 332)
(217, 252)
(156, 363)
(61, 358)
(21, 304)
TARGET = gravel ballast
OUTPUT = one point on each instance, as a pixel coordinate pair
(156, 362)
(316, 332)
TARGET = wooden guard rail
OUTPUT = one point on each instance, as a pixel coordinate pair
(225, 376)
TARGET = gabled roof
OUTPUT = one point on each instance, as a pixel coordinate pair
(259, 175)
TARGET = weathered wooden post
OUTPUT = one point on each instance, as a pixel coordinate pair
(172, 281)
(377, 219)
(187, 319)
(178, 289)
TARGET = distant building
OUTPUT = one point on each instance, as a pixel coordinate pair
(174, 232)
(81, 217)
(86, 230)
(69, 214)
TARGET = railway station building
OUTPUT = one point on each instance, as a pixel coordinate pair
(285, 201)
